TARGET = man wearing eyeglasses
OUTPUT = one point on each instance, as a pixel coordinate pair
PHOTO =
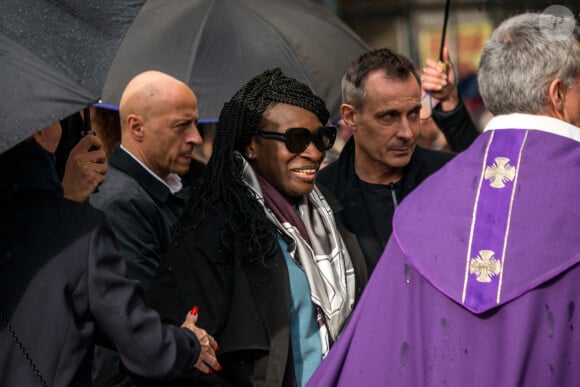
(381, 163)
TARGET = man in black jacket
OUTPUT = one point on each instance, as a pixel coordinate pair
(381, 163)
(63, 285)
(142, 195)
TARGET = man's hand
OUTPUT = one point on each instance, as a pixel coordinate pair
(85, 169)
(207, 361)
(439, 80)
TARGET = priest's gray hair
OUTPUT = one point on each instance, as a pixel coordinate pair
(523, 56)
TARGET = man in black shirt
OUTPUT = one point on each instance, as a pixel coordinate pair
(381, 163)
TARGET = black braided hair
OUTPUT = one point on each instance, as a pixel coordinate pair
(222, 179)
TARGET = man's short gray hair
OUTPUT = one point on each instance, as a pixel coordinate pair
(523, 56)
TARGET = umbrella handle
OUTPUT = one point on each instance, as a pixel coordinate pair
(87, 125)
(87, 120)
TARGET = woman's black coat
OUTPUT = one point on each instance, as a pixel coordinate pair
(245, 306)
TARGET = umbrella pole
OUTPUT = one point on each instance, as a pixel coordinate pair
(447, 3)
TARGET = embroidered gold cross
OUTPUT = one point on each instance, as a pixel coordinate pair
(484, 266)
(500, 172)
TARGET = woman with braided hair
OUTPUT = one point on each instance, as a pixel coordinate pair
(258, 248)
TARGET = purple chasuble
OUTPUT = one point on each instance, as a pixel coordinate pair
(479, 283)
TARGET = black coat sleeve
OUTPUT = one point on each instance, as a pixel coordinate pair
(196, 271)
(146, 346)
(457, 126)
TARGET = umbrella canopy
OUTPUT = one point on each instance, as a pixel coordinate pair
(54, 57)
(215, 46)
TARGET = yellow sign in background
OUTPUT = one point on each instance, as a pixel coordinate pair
(465, 42)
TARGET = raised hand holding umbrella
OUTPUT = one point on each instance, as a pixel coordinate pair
(438, 77)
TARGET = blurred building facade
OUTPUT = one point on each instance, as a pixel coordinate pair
(414, 28)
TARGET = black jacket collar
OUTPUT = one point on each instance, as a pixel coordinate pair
(124, 162)
(373, 229)
(340, 177)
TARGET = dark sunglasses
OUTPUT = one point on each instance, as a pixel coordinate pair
(298, 139)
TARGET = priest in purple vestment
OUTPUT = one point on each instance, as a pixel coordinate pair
(479, 283)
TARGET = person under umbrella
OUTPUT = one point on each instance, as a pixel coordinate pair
(258, 247)
(63, 285)
(381, 163)
(142, 196)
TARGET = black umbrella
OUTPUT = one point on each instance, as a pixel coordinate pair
(215, 46)
(54, 57)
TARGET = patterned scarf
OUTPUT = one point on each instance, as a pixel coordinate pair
(317, 248)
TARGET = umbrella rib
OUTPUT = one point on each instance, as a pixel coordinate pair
(282, 38)
(198, 40)
(87, 19)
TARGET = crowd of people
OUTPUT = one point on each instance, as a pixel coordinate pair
(427, 253)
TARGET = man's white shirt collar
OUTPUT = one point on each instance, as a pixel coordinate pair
(172, 181)
(534, 122)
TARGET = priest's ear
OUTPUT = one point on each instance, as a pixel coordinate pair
(557, 98)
